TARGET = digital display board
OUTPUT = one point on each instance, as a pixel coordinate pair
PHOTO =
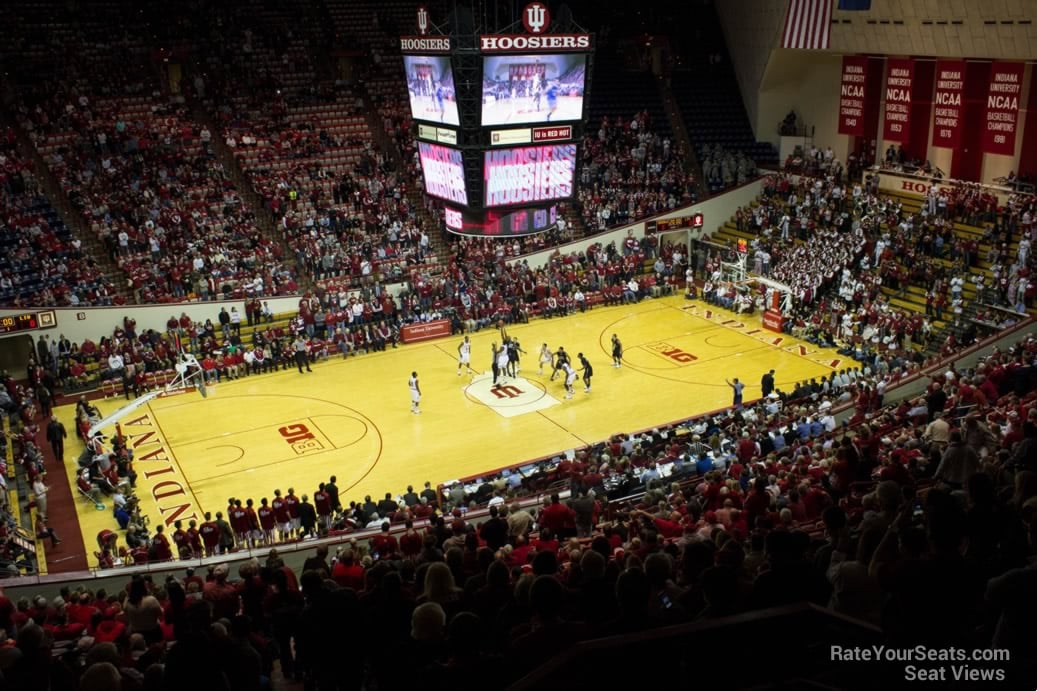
(501, 223)
(528, 174)
(443, 169)
(430, 85)
(18, 322)
(532, 88)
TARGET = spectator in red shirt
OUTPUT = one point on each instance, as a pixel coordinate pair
(384, 545)
(347, 573)
(556, 516)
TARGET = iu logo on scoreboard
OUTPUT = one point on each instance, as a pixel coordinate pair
(536, 17)
(422, 20)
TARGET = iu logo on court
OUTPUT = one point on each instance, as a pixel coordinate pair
(536, 18)
(422, 20)
(508, 391)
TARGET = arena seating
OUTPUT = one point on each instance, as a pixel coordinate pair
(913, 275)
(684, 509)
(42, 263)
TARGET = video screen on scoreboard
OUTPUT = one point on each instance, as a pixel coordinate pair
(430, 83)
(532, 88)
(528, 174)
(443, 169)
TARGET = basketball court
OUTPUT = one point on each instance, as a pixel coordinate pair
(351, 418)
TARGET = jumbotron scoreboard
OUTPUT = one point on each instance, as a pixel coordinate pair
(499, 117)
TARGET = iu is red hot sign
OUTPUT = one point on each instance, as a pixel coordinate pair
(851, 95)
(900, 73)
(1002, 116)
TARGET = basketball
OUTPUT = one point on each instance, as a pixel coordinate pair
(500, 323)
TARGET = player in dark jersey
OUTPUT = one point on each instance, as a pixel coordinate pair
(561, 358)
(588, 372)
(617, 351)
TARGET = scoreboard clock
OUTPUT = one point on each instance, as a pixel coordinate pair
(666, 225)
(27, 322)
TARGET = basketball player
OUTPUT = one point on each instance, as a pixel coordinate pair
(464, 356)
(415, 393)
(503, 359)
(588, 372)
(561, 358)
(545, 358)
(281, 516)
(513, 357)
(439, 101)
(570, 379)
(493, 363)
(617, 351)
(552, 100)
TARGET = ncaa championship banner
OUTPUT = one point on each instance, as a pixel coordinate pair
(900, 74)
(948, 111)
(1002, 114)
(851, 95)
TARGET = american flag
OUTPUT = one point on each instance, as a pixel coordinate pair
(807, 24)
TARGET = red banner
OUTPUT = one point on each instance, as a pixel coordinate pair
(900, 74)
(851, 95)
(948, 111)
(1002, 117)
(425, 331)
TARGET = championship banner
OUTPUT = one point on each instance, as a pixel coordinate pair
(900, 73)
(1002, 116)
(947, 109)
(851, 95)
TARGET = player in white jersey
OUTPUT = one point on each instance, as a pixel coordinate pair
(415, 393)
(502, 361)
(464, 356)
(570, 379)
(546, 357)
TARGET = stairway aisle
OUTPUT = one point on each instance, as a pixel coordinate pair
(265, 220)
(91, 244)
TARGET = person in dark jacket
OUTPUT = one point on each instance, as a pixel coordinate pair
(307, 516)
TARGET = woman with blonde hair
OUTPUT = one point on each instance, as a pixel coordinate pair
(441, 589)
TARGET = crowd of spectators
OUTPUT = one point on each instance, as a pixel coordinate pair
(145, 179)
(918, 517)
(42, 264)
(848, 243)
(628, 171)
(723, 168)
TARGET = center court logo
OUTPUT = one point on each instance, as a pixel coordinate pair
(518, 396)
(536, 17)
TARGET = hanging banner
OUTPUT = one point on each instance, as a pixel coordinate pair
(948, 111)
(1002, 115)
(900, 73)
(851, 95)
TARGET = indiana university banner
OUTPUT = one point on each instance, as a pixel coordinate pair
(900, 73)
(1002, 118)
(948, 111)
(851, 95)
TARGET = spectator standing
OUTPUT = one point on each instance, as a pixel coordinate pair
(56, 435)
